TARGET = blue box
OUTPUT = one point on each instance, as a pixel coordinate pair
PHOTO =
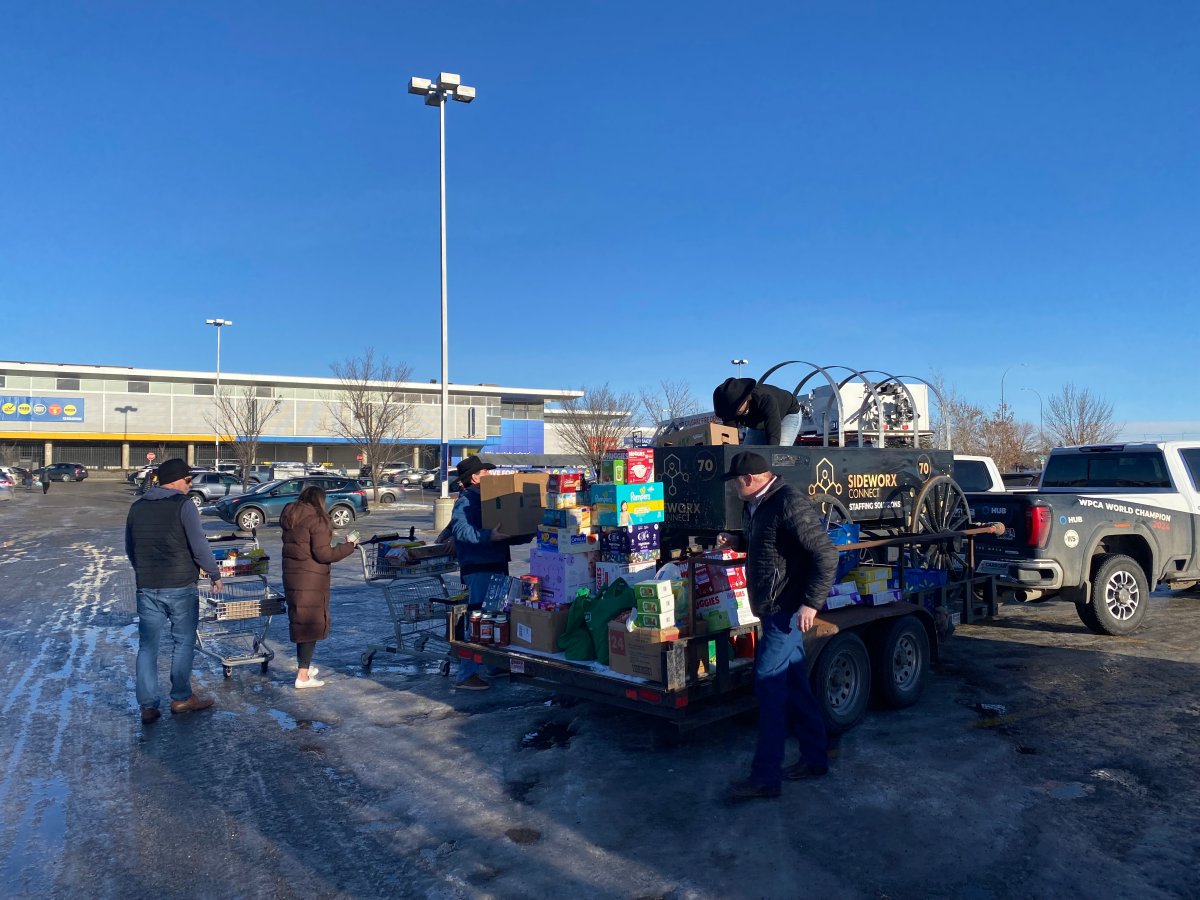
(627, 504)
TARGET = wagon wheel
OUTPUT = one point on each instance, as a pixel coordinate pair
(833, 511)
(940, 505)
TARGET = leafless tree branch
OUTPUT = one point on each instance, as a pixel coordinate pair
(598, 421)
(1076, 416)
(241, 417)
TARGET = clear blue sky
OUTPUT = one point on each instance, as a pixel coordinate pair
(641, 191)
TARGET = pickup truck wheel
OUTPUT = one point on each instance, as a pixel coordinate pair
(902, 663)
(841, 680)
(1119, 594)
(1087, 615)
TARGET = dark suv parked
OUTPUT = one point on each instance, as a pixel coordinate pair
(345, 501)
(64, 472)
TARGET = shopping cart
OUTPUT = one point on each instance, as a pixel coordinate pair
(233, 624)
(417, 596)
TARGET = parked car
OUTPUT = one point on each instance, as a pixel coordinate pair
(388, 493)
(7, 486)
(209, 487)
(64, 472)
(345, 499)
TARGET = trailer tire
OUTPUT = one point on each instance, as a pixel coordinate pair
(841, 681)
(1120, 593)
(902, 663)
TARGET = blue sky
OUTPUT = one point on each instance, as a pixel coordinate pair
(641, 191)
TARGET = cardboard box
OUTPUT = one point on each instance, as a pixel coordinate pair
(569, 500)
(709, 435)
(607, 573)
(574, 517)
(627, 504)
(565, 482)
(658, 607)
(614, 556)
(633, 538)
(731, 607)
(636, 466)
(654, 590)
(658, 635)
(843, 587)
(537, 629)
(568, 540)
(882, 598)
(513, 503)
(726, 578)
(560, 575)
(837, 601)
(655, 620)
(631, 654)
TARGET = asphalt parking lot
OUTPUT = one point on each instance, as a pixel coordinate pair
(1042, 761)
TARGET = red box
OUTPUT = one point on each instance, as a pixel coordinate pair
(704, 583)
(726, 578)
(565, 482)
(639, 464)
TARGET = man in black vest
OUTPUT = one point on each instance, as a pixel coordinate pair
(166, 545)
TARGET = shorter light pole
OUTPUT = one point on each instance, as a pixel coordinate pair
(739, 363)
(1041, 424)
(1002, 377)
(218, 324)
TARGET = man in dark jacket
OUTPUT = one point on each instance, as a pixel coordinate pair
(166, 545)
(770, 415)
(790, 566)
(482, 553)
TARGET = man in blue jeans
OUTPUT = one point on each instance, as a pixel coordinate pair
(166, 545)
(482, 553)
(790, 567)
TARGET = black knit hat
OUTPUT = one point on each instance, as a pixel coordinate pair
(730, 394)
(172, 470)
(746, 463)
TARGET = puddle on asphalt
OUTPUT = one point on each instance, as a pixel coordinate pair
(40, 832)
(549, 734)
(286, 722)
(1070, 790)
(312, 725)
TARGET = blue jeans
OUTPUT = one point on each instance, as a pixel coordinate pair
(157, 607)
(477, 585)
(786, 704)
(789, 427)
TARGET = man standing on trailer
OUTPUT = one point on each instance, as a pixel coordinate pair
(790, 567)
(165, 544)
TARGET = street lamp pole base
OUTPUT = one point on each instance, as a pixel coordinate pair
(442, 507)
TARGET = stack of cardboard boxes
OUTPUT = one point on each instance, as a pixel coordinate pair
(722, 600)
(627, 505)
(880, 585)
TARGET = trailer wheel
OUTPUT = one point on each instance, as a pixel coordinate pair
(841, 679)
(902, 665)
(940, 505)
(833, 511)
(1119, 594)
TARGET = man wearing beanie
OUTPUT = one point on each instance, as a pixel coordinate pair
(770, 415)
(790, 566)
(166, 545)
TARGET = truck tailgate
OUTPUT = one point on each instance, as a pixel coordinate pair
(1012, 511)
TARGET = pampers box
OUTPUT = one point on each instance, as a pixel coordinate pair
(627, 504)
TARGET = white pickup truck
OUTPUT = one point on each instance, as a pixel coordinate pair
(977, 474)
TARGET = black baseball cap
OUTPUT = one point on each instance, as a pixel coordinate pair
(172, 470)
(746, 463)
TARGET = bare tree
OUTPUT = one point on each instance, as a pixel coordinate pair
(672, 400)
(242, 416)
(1077, 416)
(961, 419)
(598, 421)
(370, 410)
(1009, 442)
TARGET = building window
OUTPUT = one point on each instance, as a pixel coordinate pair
(266, 393)
(68, 384)
(3, 383)
(202, 390)
(138, 387)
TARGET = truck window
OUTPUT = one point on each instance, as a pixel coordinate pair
(971, 475)
(1191, 459)
(1106, 470)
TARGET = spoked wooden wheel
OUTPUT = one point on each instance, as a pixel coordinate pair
(833, 511)
(940, 505)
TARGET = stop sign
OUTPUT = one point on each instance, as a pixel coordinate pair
(150, 456)
(360, 457)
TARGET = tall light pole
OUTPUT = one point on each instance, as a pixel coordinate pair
(1002, 377)
(1041, 424)
(447, 87)
(739, 363)
(218, 324)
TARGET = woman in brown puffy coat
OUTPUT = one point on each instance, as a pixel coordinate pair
(307, 555)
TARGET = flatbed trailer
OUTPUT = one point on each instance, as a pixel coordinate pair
(703, 681)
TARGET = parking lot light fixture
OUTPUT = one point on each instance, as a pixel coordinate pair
(218, 324)
(448, 86)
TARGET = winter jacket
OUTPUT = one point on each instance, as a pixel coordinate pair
(307, 555)
(790, 560)
(768, 405)
(473, 543)
(165, 541)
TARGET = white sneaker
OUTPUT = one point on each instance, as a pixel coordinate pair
(310, 683)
